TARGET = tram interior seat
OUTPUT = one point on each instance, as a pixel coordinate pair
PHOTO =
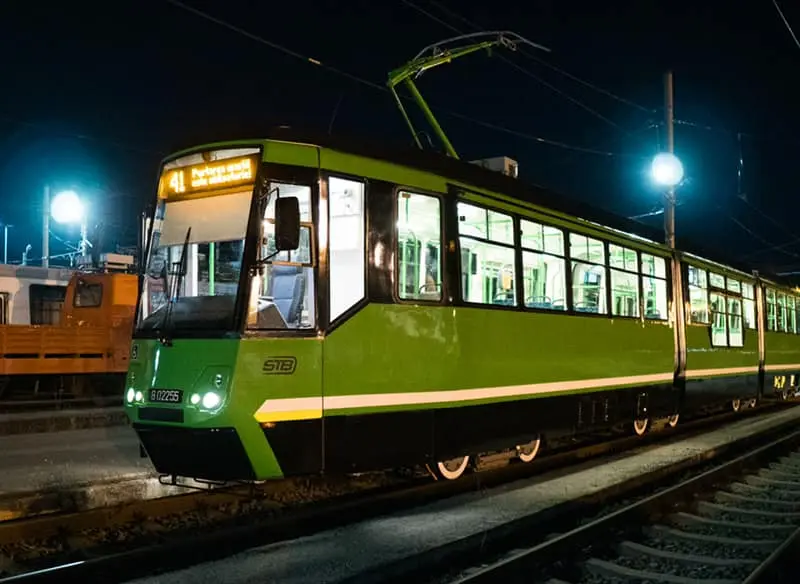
(431, 292)
(538, 302)
(504, 298)
(287, 286)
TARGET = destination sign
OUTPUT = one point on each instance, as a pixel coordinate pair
(208, 176)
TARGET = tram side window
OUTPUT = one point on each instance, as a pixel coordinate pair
(791, 322)
(719, 321)
(543, 266)
(347, 244)
(782, 320)
(487, 256)
(624, 280)
(735, 329)
(419, 236)
(771, 310)
(749, 305)
(716, 280)
(654, 287)
(588, 274)
(795, 316)
(726, 321)
(698, 295)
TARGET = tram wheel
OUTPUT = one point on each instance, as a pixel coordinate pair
(640, 427)
(672, 421)
(453, 468)
(527, 452)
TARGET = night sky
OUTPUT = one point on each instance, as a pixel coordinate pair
(94, 94)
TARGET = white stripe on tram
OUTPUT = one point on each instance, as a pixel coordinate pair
(692, 373)
(780, 367)
(281, 409)
(271, 407)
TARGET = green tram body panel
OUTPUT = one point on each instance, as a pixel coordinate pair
(701, 355)
(306, 403)
(393, 349)
(782, 349)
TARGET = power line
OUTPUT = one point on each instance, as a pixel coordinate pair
(522, 70)
(551, 66)
(761, 239)
(786, 23)
(682, 122)
(373, 85)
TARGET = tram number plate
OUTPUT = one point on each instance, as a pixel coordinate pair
(166, 396)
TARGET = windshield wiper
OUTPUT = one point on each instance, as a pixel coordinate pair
(174, 293)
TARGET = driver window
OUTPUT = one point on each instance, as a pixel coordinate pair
(283, 296)
(88, 294)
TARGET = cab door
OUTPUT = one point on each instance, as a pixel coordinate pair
(283, 341)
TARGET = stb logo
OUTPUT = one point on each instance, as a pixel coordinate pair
(279, 366)
(134, 352)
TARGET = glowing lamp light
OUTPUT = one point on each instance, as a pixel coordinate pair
(667, 169)
(67, 207)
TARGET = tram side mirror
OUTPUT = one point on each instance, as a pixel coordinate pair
(287, 223)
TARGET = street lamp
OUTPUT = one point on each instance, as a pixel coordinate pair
(667, 170)
(67, 208)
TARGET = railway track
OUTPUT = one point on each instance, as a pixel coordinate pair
(737, 522)
(55, 403)
(219, 538)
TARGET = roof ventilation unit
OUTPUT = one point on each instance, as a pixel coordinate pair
(502, 164)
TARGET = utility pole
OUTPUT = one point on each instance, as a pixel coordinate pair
(5, 243)
(46, 228)
(669, 202)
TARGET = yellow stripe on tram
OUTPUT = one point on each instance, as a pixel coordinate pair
(290, 416)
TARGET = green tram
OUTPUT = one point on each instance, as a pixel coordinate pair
(310, 306)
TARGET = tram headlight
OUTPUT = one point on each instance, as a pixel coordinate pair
(130, 395)
(195, 399)
(211, 400)
(139, 396)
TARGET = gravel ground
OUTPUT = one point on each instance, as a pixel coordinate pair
(759, 501)
(766, 492)
(755, 519)
(784, 502)
(742, 532)
(690, 547)
(686, 570)
(269, 503)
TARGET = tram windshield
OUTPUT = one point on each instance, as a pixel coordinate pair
(191, 281)
(195, 259)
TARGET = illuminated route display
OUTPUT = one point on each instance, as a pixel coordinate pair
(208, 176)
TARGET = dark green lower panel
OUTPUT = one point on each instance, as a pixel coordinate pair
(383, 440)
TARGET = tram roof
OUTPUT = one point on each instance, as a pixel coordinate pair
(482, 178)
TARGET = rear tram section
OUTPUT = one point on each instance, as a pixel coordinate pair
(308, 308)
